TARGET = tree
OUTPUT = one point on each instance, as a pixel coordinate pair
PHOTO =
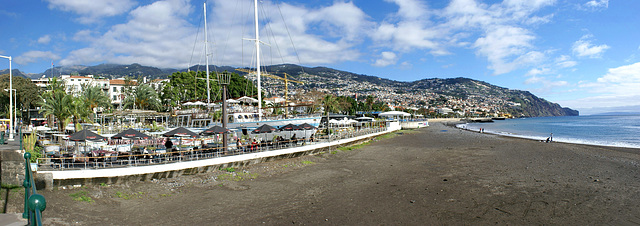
(240, 86)
(78, 110)
(55, 102)
(27, 94)
(144, 97)
(369, 103)
(94, 98)
(330, 104)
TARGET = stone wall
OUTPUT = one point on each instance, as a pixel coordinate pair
(11, 167)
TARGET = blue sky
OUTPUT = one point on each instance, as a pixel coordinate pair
(582, 54)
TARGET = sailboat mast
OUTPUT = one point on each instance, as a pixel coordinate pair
(255, 3)
(206, 54)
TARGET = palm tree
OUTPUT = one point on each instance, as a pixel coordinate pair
(277, 108)
(95, 98)
(79, 110)
(144, 97)
(57, 104)
(330, 104)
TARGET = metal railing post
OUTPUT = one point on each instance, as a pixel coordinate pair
(26, 184)
(34, 203)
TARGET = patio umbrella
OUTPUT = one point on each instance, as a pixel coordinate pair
(289, 127)
(264, 129)
(306, 126)
(215, 130)
(131, 134)
(181, 132)
(85, 135)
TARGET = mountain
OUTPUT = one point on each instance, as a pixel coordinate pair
(462, 94)
(14, 72)
(111, 71)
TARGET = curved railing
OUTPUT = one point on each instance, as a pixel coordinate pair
(34, 203)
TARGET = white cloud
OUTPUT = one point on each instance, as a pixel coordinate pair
(565, 61)
(594, 5)
(584, 48)
(619, 87)
(504, 40)
(406, 65)
(34, 56)
(159, 34)
(410, 9)
(84, 35)
(538, 71)
(506, 48)
(44, 39)
(91, 11)
(156, 35)
(623, 74)
(410, 29)
(547, 84)
(387, 58)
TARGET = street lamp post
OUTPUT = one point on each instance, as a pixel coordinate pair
(224, 80)
(10, 100)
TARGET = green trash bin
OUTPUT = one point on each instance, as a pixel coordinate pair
(1, 137)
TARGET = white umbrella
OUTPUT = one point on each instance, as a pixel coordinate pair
(248, 99)
(232, 101)
(394, 113)
(188, 103)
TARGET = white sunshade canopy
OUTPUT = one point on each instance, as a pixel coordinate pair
(247, 99)
(394, 113)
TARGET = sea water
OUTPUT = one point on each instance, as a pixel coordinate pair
(609, 130)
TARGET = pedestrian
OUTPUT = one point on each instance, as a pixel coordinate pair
(3, 128)
(168, 144)
(551, 138)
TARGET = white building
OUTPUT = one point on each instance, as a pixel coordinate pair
(117, 89)
(74, 83)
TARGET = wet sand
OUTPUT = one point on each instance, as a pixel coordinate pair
(435, 175)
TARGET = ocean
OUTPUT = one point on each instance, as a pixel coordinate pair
(618, 131)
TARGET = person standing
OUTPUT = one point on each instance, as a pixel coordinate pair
(551, 137)
(168, 144)
(3, 129)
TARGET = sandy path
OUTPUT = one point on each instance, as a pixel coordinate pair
(436, 175)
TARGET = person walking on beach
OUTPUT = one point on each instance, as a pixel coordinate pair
(551, 138)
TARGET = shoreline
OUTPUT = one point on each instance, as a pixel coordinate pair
(532, 138)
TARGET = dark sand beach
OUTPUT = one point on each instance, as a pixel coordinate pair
(432, 176)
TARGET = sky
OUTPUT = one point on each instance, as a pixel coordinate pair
(582, 54)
